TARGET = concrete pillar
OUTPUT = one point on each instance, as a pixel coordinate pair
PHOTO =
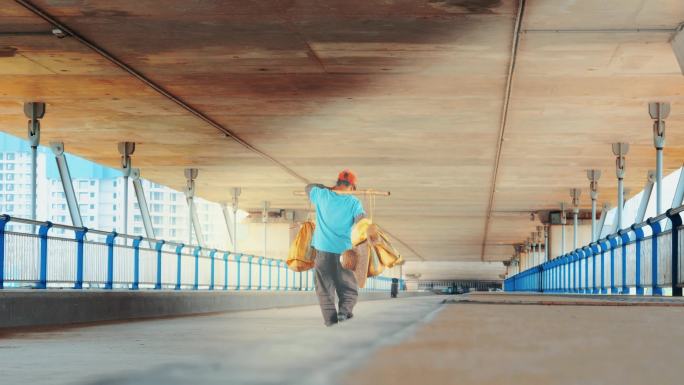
(620, 150)
(659, 111)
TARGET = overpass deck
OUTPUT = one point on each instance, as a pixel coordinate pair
(473, 339)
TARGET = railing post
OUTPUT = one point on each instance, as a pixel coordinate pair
(287, 282)
(42, 233)
(212, 253)
(638, 235)
(676, 224)
(588, 252)
(136, 263)
(158, 247)
(225, 270)
(110, 260)
(238, 257)
(624, 237)
(80, 236)
(270, 281)
(249, 271)
(656, 230)
(179, 250)
(594, 251)
(197, 251)
(261, 266)
(613, 244)
(3, 222)
(604, 246)
(278, 276)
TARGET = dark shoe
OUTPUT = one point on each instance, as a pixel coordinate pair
(344, 317)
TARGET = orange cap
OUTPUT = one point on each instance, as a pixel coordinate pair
(347, 176)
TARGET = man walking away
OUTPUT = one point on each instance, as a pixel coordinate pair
(335, 216)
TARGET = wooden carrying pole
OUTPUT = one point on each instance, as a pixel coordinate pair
(357, 192)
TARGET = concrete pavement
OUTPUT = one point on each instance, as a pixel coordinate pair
(274, 346)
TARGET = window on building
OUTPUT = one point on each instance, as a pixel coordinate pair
(157, 195)
(10, 187)
(9, 176)
(157, 220)
(114, 184)
(137, 230)
(114, 219)
(137, 218)
(82, 196)
(82, 184)
(114, 195)
(114, 207)
(92, 183)
(9, 166)
(92, 207)
(173, 209)
(10, 156)
(92, 218)
(92, 195)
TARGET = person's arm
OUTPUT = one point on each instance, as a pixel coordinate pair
(310, 187)
(359, 217)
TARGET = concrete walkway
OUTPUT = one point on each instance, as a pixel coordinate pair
(276, 346)
(527, 340)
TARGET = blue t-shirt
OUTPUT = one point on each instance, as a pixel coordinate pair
(335, 214)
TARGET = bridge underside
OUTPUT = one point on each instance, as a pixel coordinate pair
(409, 94)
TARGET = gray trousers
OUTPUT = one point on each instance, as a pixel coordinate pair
(331, 277)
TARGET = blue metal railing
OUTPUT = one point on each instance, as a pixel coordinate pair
(108, 260)
(645, 258)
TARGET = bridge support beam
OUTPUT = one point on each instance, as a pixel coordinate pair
(575, 194)
(67, 184)
(126, 149)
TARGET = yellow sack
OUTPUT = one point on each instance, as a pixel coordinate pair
(387, 254)
(375, 266)
(301, 256)
(360, 231)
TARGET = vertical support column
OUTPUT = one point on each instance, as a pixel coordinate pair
(3, 223)
(179, 254)
(563, 221)
(193, 219)
(158, 249)
(136, 263)
(659, 111)
(109, 284)
(34, 111)
(212, 255)
(620, 150)
(593, 176)
(264, 219)
(278, 263)
(540, 239)
(676, 225)
(236, 200)
(575, 195)
(126, 149)
(546, 243)
(80, 236)
(196, 253)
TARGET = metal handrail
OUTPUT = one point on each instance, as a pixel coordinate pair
(267, 269)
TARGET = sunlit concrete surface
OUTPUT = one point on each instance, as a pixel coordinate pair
(526, 340)
(276, 346)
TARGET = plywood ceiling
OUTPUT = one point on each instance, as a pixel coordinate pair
(408, 93)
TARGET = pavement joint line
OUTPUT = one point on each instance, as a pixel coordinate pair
(355, 360)
(565, 303)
